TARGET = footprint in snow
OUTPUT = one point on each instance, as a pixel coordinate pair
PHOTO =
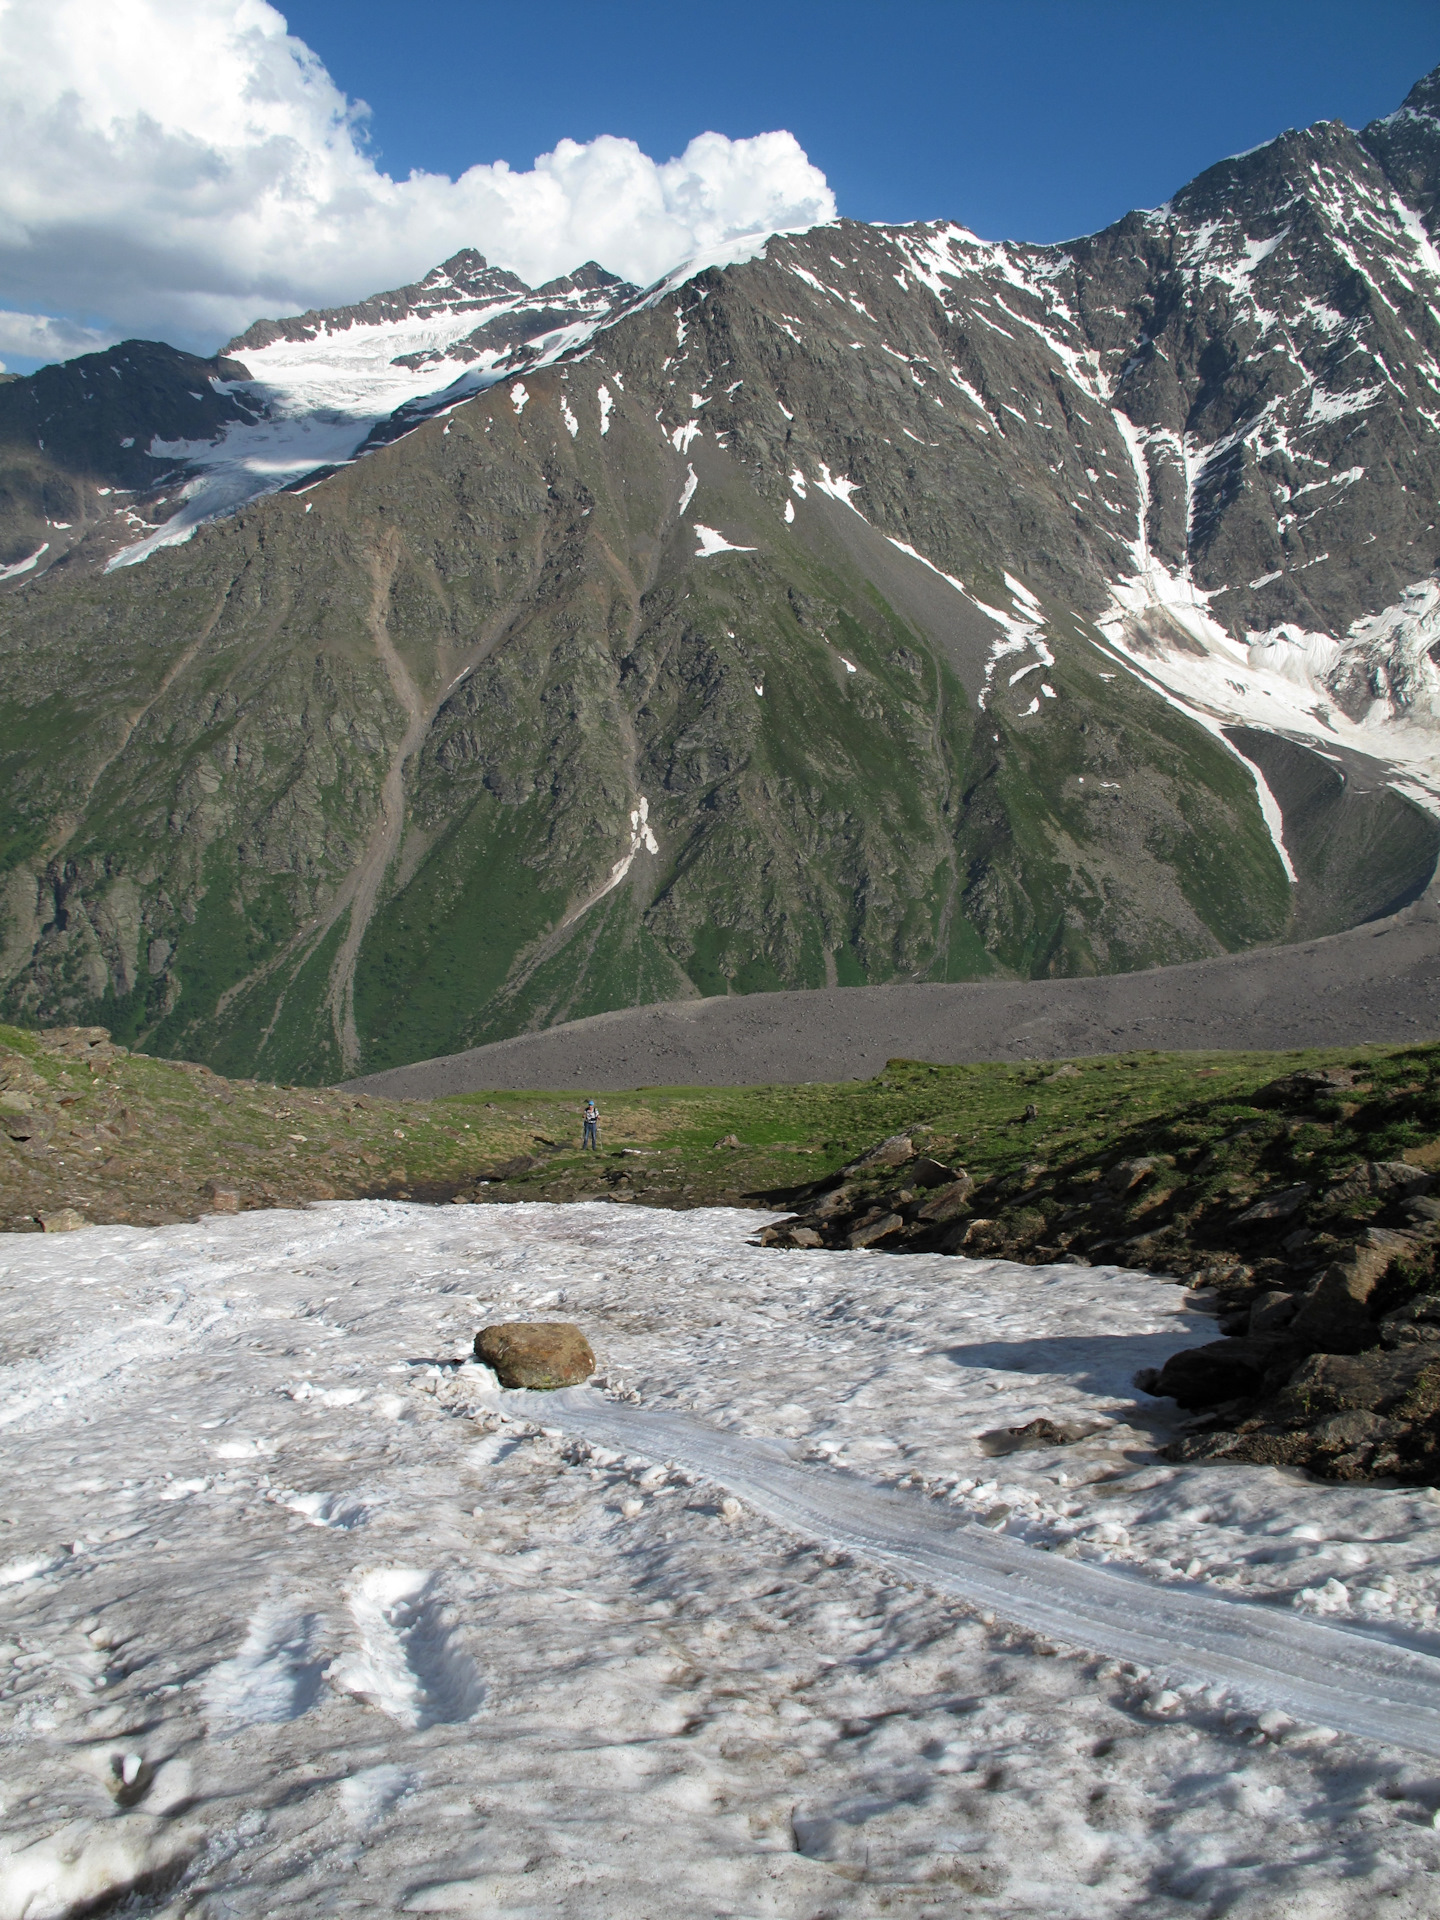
(275, 1676)
(409, 1662)
(344, 1511)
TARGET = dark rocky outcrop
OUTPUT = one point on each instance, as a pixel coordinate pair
(1346, 1385)
(1327, 1288)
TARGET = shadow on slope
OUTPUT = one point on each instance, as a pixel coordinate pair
(1360, 850)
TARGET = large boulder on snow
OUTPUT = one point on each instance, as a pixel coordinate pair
(536, 1353)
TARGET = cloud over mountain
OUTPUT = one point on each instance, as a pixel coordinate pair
(181, 166)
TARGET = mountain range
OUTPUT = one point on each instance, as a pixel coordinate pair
(868, 604)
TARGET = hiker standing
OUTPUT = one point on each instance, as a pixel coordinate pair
(592, 1127)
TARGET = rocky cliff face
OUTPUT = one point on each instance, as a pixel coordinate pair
(885, 605)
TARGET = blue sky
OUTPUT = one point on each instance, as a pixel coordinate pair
(1034, 120)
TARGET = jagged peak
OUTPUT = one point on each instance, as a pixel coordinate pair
(1422, 101)
(590, 278)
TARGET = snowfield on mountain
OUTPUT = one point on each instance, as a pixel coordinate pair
(300, 1609)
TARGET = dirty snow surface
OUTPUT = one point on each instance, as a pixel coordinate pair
(298, 1615)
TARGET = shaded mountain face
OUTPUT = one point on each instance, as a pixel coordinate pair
(884, 605)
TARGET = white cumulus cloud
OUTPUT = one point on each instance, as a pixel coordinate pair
(181, 167)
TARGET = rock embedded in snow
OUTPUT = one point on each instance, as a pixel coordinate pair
(1218, 1372)
(536, 1353)
(1041, 1432)
(63, 1220)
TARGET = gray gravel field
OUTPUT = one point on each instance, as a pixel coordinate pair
(1375, 983)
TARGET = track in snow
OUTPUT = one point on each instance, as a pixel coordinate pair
(1323, 1674)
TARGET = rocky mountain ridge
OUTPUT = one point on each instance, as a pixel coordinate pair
(884, 604)
(179, 440)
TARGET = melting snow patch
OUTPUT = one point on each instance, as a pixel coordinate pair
(80, 1870)
(641, 836)
(519, 397)
(1337, 406)
(1022, 593)
(24, 566)
(572, 425)
(606, 404)
(789, 513)
(857, 1424)
(367, 1796)
(13, 1572)
(839, 488)
(689, 493)
(339, 1510)
(712, 543)
(948, 578)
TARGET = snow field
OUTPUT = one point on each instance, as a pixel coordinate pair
(300, 1612)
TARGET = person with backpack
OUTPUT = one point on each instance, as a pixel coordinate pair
(592, 1127)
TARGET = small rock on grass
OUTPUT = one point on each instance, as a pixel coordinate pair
(927, 1172)
(540, 1354)
(893, 1152)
